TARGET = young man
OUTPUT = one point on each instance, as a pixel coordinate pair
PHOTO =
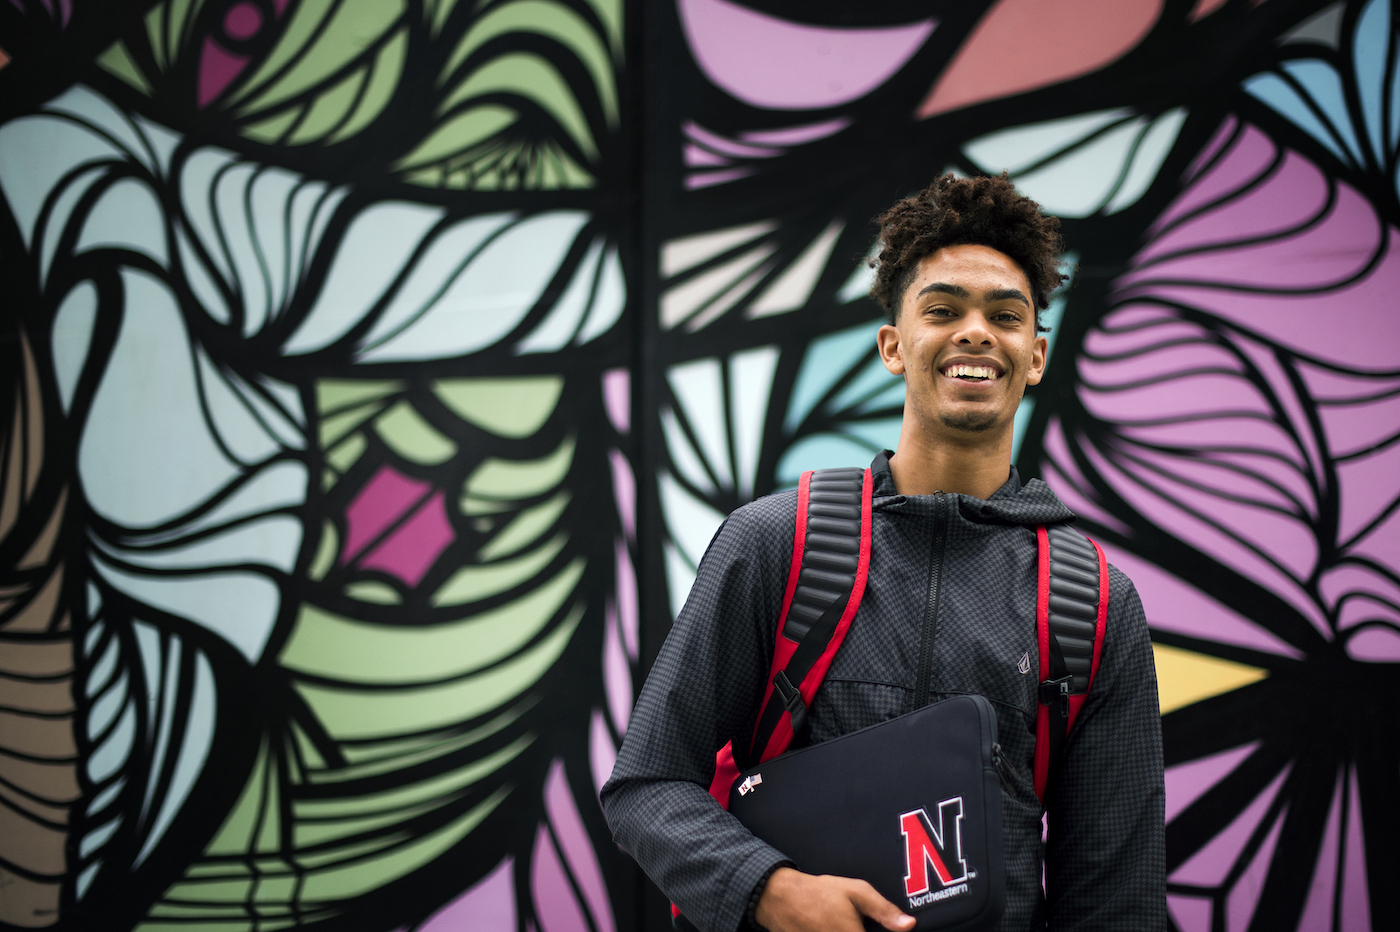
(949, 609)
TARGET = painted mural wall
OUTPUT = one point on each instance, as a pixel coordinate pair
(375, 373)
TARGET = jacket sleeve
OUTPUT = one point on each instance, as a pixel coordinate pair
(1105, 861)
(704, 688)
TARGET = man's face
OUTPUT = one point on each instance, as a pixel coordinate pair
(965, 342)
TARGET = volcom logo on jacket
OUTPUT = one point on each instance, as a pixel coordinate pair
(934, 846)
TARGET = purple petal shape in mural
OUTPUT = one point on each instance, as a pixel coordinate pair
(1186, 782)
(1237, 441)
(410, 551)
(61, 10)
(564, 862)
(602, 750)
(1208, 390)
(707, 151)
(220, 65)
(1208, 867)
(617, 672)
(404, 522)
(487, 904)
(383, 501)
(796, 135)
(779, 64)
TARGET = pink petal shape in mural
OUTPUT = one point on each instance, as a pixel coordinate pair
(410, 551)
(384, 500)
(1244, 896)
(1021, 45)
(1173, 606)
(602, 750)
(487, 904)
(555, 904)
(243, 20)
(1214, 439)
(796, 135)
(779, 64)
(1204, 8)
(217, 69)
(1186, 782)
(564, 861)
(574, 844)
(1209, 865)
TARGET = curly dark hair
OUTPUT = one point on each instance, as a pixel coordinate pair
(983, 211)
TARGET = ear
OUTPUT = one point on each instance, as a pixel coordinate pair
(1038, 359)
(887, 338)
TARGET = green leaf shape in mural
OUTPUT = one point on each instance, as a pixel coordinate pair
(333, 70)
(141, 62)
(330, 72)
(417, 722)
(509, 117)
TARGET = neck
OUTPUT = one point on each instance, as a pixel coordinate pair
(924, 465)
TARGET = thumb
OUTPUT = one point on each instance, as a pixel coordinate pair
(870, 903)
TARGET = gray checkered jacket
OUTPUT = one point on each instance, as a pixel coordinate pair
(1104, 861)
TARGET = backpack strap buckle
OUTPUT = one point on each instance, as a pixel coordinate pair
(1053, 690)
(792, 701)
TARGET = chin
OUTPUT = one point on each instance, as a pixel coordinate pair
(972, 422)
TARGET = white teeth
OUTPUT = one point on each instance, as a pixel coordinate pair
(971, 372)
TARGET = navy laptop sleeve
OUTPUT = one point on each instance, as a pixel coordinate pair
(913, 805)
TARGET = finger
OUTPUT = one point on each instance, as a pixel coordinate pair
(870, 903)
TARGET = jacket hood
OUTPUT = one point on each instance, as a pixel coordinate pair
(1030, 504)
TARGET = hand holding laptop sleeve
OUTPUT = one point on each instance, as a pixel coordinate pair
(912, 805)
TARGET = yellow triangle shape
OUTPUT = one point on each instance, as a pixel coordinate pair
(1185, 676)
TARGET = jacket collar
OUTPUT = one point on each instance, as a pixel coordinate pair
(1013, 503)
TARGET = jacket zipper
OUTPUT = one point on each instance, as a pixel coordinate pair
(935, 573)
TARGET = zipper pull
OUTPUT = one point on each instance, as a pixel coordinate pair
(1000, 766)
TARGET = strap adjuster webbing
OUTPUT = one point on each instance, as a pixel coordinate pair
(792, 701)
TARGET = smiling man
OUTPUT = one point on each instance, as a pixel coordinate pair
(949, 609)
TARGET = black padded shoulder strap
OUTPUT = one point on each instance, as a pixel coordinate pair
(831, 553)
(1071, 612)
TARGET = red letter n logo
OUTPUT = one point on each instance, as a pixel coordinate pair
(937, 846)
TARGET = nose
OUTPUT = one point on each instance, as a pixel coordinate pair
(974, 331)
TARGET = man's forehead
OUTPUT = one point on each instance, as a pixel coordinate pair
(958, 267)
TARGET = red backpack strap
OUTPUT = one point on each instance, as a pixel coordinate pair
(826, 580)
(1071, 614)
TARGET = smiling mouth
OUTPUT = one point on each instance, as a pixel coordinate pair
(972, 373)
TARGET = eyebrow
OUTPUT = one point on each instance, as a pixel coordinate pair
(958, 291)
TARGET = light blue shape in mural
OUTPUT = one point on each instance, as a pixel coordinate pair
(140, 468)
(1022, 147)
(750, 385)
(682, 453)
(823, 451)
(699, 392)
(196, 738)
(1077, 166)
(560, 324)
(373, 252)
(126, 216)
(72, 338)
(1153, 146)
(473, 307)
(1324, 89)
(826, 360)
(609, 301)
(37, 152)
(1369, 60)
